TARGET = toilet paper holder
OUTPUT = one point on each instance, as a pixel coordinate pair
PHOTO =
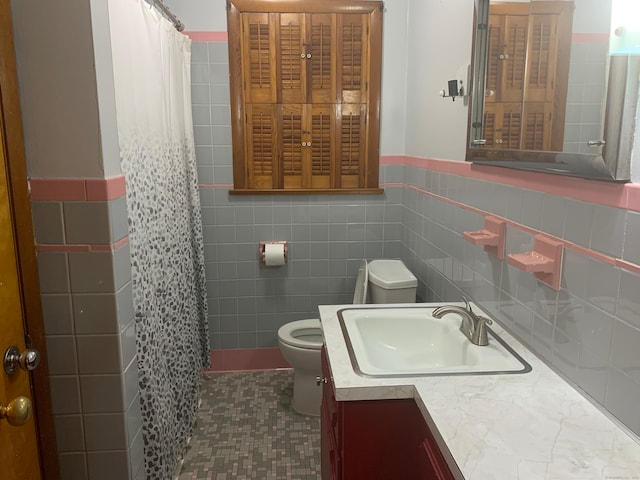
(262, 246)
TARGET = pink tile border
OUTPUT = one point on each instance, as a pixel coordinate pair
(106, 189)
(77, 189)
(590, 38)
(207, 36)
(578, 248)
(83, 248)
(57, 189)
(243, 359)
(619, 195)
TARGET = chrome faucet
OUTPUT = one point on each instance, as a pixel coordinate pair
(473, 326)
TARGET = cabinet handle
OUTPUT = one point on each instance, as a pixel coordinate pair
(320, 380)
(302, 55)
(308, 55)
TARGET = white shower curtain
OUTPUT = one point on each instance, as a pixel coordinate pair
(151, 64)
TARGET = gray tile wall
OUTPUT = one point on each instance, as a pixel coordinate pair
(585, 96)
(90, 332)
(328, 235)
(588, 331)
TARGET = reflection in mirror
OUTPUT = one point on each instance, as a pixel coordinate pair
(540, 99)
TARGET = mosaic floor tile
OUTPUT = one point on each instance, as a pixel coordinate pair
(246, 429)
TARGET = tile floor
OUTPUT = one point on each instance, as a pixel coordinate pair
(246, 429)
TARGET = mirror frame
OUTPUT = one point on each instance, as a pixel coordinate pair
(613, 164)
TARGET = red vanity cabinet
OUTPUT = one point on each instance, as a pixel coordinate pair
(376, 439)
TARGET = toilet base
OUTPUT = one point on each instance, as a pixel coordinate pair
(307, 395)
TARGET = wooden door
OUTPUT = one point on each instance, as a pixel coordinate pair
(18, 444)
(28, 451)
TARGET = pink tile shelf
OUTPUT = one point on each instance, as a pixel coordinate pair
(492, 237)
(544, 262)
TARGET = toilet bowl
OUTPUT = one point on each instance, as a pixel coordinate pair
(301, 341)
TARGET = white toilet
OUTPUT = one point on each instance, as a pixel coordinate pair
(300, 342)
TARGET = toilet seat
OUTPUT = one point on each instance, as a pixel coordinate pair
(302, 334)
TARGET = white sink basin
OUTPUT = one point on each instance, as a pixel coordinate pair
(409, 341)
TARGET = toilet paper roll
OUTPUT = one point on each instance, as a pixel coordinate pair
(274, 254)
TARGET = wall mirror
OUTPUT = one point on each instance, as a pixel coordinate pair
(546, 93)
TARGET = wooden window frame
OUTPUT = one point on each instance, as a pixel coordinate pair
(369, 171)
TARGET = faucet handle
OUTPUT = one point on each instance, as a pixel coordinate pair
(467, 307)
(479, 335)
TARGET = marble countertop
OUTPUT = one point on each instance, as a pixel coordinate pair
(530, 426)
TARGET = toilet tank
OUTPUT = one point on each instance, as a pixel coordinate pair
(390, 281)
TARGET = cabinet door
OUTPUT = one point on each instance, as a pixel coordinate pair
(431, 465)
(329, 454)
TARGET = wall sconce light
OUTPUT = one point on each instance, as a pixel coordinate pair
(625, 27)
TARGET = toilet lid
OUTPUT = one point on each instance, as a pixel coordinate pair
(302, 334)
(360, 292)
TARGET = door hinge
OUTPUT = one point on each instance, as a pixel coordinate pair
(228, 5)
(482, 26)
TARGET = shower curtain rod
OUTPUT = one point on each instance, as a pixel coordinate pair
(177, 23)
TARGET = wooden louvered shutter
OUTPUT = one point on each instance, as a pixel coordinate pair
(511, 125)
(322, 65)
(541, 64)
(292, 149)
(306, 117)
(292, 58)
(352, 147)
(353, 39)
(537, 126)
(489, 125)
(527, 69)
(503, 125)
(494, 63)
(259, 58)
(514, 58)
(322, 148)
(262, 133)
